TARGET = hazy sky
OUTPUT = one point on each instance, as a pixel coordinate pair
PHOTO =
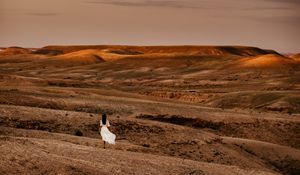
(270, 24)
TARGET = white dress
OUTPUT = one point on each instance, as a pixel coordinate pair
(106, 135)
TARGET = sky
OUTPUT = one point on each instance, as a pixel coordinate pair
(269, 24)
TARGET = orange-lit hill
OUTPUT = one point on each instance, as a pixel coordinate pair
(136, 50)
(14, 51)
(267, 61)
(296, 57)
(88, 56)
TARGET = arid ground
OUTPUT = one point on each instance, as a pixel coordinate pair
(175, 110)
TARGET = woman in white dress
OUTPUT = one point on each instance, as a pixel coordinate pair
(106, 135)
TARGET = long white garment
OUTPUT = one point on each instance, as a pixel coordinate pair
(106, 134)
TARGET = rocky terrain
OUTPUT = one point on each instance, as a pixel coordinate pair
(174, 109)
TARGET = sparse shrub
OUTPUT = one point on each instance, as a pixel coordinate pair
(78, 132)
(146, 145)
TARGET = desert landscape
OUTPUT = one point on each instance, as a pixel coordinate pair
(196, 110)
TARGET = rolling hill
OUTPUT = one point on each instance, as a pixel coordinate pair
(268, 61)
(174, 109)
(194, 50)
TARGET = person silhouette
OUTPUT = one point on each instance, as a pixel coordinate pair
(106, 135)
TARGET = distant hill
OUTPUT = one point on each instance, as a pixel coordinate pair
(135, 50)
(296, 56)
(269, 60)
(89, 56)
(14, 51)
